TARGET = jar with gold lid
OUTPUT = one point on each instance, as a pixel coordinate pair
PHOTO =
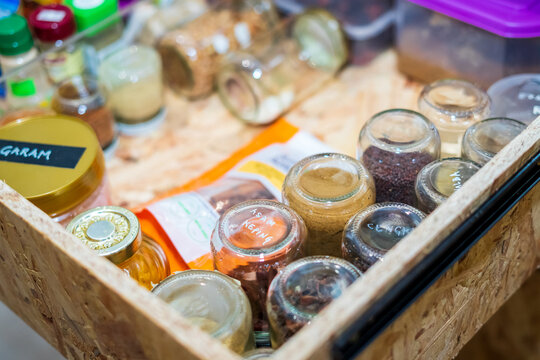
(115, 233)
(213, 302)
(56, 162)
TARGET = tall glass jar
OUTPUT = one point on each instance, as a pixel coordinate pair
(371, 233)
(326, 190)
(212, 301)
(395, 145)
(133, 82)
(485, 139)
(302, 290)
(191, 54)
(283, 67)
(453, 106)
(440, 179)
(251, 243)
(114, 232)
(71, 176)
(81, 97)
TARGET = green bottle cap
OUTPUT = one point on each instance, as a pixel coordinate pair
(90, 12)
(15, 37)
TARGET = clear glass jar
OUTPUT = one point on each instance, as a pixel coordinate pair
(440, 179)
(453, 106)
(115, 233)
(283, 67)
(52, 25)
(81, 97)
(69, 158)
(251, 243)
(212, 301)
(258, 354)
(302, 290)
(485, 139)
(371, 233)
(395, 145)
(133, 82)
(191, 55)
(326, 190)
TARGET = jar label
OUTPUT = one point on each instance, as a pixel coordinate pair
(24, 87)
(40, 154)
(51, 15)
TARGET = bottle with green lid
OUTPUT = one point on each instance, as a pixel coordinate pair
(27, 84)
(56, 162)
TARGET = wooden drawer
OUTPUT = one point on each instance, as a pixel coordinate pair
(402, 308)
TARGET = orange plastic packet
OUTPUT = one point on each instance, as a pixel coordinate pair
(183, 219)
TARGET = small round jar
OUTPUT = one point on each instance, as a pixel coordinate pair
(114, 233)
(251, 243)
(440, 179)
(81, 97)
(302, 290)
(212, 301)
(485, 139)
(516, 97)
(134, 86)
(283, 67)
(192, 54)
(259, 354)
(371, 233)
(395, 145)
(453, 106)
(54, 161)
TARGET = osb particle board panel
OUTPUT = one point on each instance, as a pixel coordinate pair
(198, 135)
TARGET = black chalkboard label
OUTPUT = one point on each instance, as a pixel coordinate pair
(40, 154)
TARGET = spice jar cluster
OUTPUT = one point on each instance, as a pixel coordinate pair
(277, 264)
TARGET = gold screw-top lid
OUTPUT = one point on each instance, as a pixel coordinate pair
(111, 231)
(54, 161)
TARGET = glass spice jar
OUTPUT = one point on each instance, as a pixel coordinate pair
(212, 301)
(326, 190)
(440, 179)
(70, 176)
(252, 241)
(453, 106)
(281, 68)
(371, 233)
(395, 145)
(133, 82)
(485, 139)
(114, 232)
(302, 290)
(52, 25)
(81, 96)
(191, 54)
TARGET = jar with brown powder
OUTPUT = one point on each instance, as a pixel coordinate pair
(326, 190)
(191, 55)
(81, 97)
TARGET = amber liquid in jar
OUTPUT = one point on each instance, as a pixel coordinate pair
(326, 190)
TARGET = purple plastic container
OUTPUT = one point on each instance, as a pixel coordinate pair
(477, 40)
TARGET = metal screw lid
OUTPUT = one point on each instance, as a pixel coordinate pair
(110, 231)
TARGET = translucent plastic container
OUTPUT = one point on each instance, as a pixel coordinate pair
(368, 24)
(481, 41)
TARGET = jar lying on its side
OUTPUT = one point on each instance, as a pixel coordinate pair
(371, 233)
(485, 139)
(440, 179)
(326, 190)
(258, 354)
(191, 54)
(251, 243)
(71, 176)
(115, 233)
(133, 82)
(281, 68)
(453, 106)
(395, 145)
(81, 97)
(302, 290)
(516, 97)
(212, 301)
